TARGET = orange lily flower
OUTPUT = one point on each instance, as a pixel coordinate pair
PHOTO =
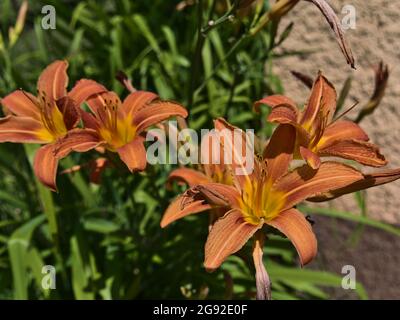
(118, 126)
(266, 196)
(47, 118)
(318, 135)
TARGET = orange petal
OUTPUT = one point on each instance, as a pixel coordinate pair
(322, 99)
(23, 104)
(89, 121)
(83, 89)
(217, 194)
(78, 140)
(342, 130)
(283, 113)
(156, 112)
(53, 80)
(227, 236)
(363, 152)
(137, 100)
(288, 114)
(310, 157)
(188, 176)
(294, 225)
(279, 151)
(45, 166)
(133, 154)
(97, 102)
(69, 111)
(21, 130)
(177, 210)
(236, 144)
(274, 101)
(368, 181)
(304, 182)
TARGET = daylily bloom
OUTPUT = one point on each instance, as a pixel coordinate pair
(118, 126)
(47, 118)
(318, 135)
(265, 196)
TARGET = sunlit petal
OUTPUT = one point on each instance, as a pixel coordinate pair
(342, 130)
(363, 152)
(45, 166)
(137, 100)
(23, 104)
(133, 154)
(156, 112)
(227, 236)
(274, 101)
(304, 182)
(310, 157)
(22, 130)
(368, 181)
(322, 99)
(78, 140)
(279, 151)
(83, 89)
(177, 210)
(294, 225)
(54, 80)
(217, 194)
(189, 176)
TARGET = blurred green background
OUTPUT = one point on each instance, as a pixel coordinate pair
(104, 240)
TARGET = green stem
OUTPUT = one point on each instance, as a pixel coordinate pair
(197, 53)
(202, 33)
(221, 62)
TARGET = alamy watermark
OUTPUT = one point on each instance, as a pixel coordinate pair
(348, 20)
(349, 280)
(49, 278)
(173, 146)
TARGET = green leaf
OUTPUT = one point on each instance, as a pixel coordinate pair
(80, 279)
(18, 245)
(45, 196)
(100, 225)
(144, 28)
(343, 94)
(352, 217)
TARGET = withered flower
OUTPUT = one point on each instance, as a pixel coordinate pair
(381, 79)
(282, 7)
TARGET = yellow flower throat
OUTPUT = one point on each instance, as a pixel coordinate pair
(260, 202)
(116, 128)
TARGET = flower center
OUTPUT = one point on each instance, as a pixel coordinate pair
(260, 201)
(52, 119)
(116, 129)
